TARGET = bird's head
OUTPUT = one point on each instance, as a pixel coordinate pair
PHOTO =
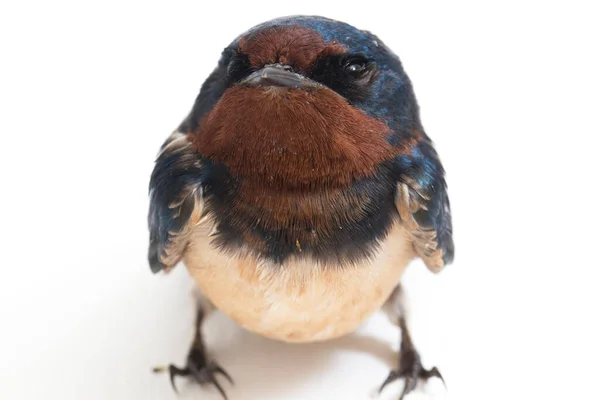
(304, 141)
(304, 102)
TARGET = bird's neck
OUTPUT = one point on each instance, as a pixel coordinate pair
(342, 223)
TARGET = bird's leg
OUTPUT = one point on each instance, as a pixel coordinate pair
(409, 362)
(198, 367)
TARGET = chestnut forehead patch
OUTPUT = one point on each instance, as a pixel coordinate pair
(293, 45)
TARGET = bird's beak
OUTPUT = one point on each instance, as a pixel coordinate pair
(277, 75)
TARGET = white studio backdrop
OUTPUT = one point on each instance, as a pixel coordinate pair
(89, 91)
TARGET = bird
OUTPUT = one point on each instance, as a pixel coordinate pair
(297, 190)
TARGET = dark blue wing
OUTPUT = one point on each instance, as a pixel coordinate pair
(423, 204)
(176, 202)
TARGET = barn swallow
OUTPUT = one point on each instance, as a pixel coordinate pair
(298, 188)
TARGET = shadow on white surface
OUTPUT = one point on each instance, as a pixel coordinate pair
(351, 367)
(266, 369)
(98, 332)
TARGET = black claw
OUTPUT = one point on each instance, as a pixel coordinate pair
(208, 375)
(410, 383)
(393, 375)
(218, 386)
(432, 373)
(220, 370)
(201, 375)
(411, 377)
(197, 366)
(173, 371)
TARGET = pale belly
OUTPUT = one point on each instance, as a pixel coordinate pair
(299, 301)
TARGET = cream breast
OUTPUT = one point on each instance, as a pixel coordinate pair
(299, 301)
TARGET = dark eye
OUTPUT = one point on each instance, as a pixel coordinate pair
(356, 65)
(350, 75)
(239, 67)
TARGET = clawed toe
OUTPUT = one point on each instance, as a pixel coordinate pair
(202, 375)
(411, 376)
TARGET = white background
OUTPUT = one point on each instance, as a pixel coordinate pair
(510, 94)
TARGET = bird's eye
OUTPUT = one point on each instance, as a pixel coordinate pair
(238, 68)
(356, 65)
(355, 68)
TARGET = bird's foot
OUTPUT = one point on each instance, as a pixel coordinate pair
(412, 371)
(199, 370)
